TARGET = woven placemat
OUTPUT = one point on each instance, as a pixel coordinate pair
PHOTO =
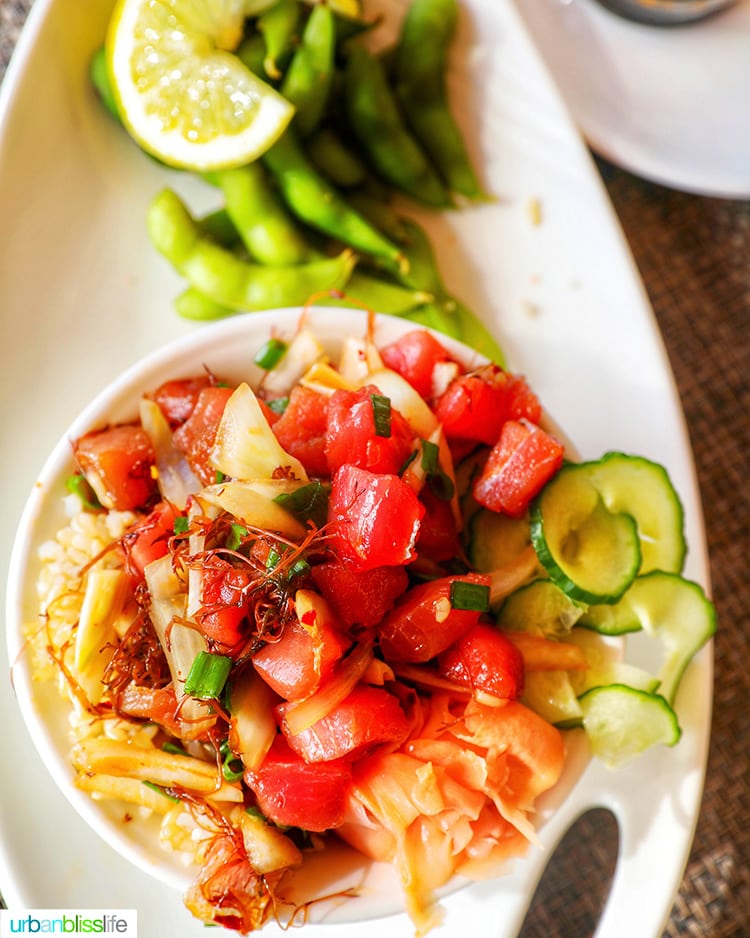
(693, 254)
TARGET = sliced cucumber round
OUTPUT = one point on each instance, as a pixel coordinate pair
(542, 608)
(615, 619)
(590, 552)
(643, 489)
(606, 665)
(622, 722)
(496, 539)
(677, 613)
(551, 695)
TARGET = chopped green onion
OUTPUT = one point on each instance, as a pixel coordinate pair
(278, 404)
(381, 413)
(181, 524)
(236, 534)
(162, 791)
(207, 676)
(273, 558)
(472, 596)
(441, 484)
(409, 460)
(430, 457)
(232, 769)
(219, 477)
(307, 503)
(173, 749)
(78, 485)
(270, 353)
(299, 568)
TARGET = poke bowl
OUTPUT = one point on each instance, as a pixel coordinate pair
(180, 792)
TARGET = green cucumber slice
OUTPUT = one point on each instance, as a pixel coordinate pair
(673, 610)
(606, 665)
(551, 695)
(542, 608)
(642, 488)
(592, 554)
(496, 539)
(622, 722)
(615, 619)
(677, 613)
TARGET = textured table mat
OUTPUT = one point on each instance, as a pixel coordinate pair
(693, 254)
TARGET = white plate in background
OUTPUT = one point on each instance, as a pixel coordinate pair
(83, 296)
(666, 103)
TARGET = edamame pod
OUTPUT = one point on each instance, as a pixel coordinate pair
(307, 81)
(419, 68)
(278, 26)
(219, 227)
(252, 53)
(377, 124)
(445, 313)
(373, 293)
(330, 155)
(227, 279)
(196, 306)
(380, 295)
(319, 204)
(267, 231)
(375, 205)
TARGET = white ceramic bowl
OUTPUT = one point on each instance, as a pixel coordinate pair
(227, 348)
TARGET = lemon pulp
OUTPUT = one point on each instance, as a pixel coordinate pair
(181, 92)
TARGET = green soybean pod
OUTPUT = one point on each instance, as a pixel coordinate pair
(419, 70)
(196, 306)
(264, 225)
(445, 313)
(379, 295)
(371, 201)
(227, 279)
(334, 159)
(307, 82)
(278, 26)
(376, 122)
(252, 53)
(317, 202)
(475, 333)
(220, 228)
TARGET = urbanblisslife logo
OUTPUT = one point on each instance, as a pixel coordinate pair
(70, 922)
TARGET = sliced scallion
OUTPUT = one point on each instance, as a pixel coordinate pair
(381, 413)
(181, 524)
(273, 558)
(162, 791)
(173, 749)
(441, 484)
(270, 353)
(278, 404)
(307, 503)
(78, 485)
(299, 568)
(430, 457)
(207, 676)
(471, 596)
(231, 767)
(236, 534)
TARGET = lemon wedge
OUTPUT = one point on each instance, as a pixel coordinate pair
(181, 92)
